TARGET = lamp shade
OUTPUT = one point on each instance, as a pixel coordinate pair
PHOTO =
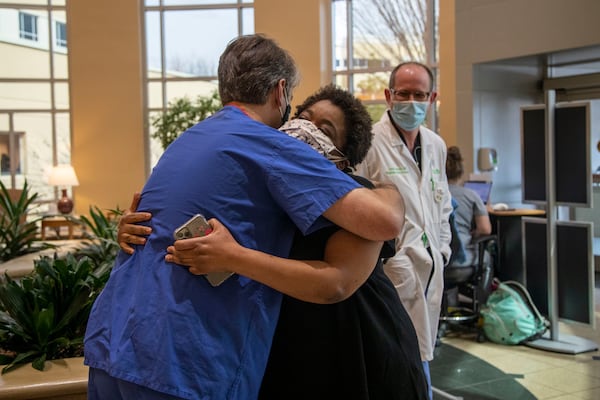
(63, 175)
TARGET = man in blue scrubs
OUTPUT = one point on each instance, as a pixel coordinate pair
(159, 332)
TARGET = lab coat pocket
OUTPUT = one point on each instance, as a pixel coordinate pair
(422, 264)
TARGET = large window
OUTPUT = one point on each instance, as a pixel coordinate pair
(184, 39)
(34, 103)
(371, 37)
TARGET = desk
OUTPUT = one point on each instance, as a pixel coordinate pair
(507, 225)
(56, 223)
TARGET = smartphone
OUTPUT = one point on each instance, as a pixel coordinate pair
(199, 226)
(194, 227)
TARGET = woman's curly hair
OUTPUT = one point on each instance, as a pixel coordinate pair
(357, 120)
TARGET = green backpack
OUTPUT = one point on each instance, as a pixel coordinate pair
(510, 317)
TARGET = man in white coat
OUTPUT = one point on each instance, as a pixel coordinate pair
(412, 157)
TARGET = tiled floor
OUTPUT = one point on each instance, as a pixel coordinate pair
(465, 368)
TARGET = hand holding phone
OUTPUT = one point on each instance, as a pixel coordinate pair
(195, 227)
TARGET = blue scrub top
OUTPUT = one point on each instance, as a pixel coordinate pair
(159, 326)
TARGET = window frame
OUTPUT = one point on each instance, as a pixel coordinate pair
(60, 29)
(347, 69)
(18, 149)
(25, 19)
(163, 80)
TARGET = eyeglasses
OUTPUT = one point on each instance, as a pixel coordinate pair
(406, 94)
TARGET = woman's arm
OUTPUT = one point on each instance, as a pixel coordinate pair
(483, 225)
(348, 262)
(129, 232)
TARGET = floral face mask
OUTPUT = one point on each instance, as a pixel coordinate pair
(307, 132)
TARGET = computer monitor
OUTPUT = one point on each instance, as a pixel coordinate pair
(574, 268)
(572, 165)
(482, 188)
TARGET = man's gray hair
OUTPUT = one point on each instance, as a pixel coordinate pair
(251, 66)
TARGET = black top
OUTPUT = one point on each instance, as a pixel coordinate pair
(362, 348)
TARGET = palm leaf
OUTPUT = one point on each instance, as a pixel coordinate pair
(17, 231)
(21, 358)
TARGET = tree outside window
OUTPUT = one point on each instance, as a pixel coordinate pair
(177, 64)
(371, 37)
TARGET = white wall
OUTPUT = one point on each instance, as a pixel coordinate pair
(491, 39)
(499, 91)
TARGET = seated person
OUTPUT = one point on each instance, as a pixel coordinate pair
(470, 215)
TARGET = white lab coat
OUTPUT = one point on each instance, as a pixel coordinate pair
(428, 208)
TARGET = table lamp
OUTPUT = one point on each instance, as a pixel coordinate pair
(63, 175)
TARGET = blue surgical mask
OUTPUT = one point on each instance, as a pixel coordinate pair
(409, 115)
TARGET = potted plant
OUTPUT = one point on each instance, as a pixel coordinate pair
(182, 114)
(43, 315)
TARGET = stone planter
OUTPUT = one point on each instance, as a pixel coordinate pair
(64, 379)
(23, 265)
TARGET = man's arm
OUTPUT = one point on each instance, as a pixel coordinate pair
(445, 231)
(348, 260)
(374, 214)
(446, 209)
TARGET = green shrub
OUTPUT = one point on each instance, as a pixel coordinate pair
(101, 244)
(17, 234)
(43, 316)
